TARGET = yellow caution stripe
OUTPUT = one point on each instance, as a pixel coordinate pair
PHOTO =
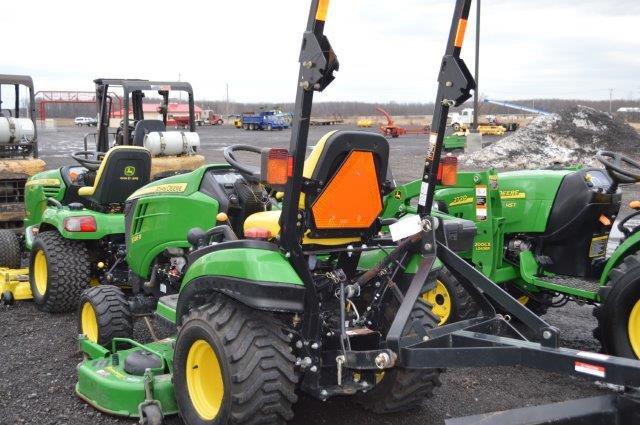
(323, 7)
(462, 27)
(43, 182)
(161, 188)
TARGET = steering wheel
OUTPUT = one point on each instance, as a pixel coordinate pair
(613, 162)
(90, 160)
(249, 171)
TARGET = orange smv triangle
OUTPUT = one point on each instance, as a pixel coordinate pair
(352, 199)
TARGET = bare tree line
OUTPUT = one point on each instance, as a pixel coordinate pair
(347, 109)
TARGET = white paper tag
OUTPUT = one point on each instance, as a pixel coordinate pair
(405, 227)
(422, 200)
(593, 356)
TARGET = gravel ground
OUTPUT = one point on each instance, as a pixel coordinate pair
(38, 352)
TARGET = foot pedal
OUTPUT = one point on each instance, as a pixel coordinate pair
(544, 260)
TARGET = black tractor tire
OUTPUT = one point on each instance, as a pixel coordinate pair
(449, 300)
(255, 366)
(619, 298)
(111, 312)
(404, 389)
(10, 249)
(66, 272)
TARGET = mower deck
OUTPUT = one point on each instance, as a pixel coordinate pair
(14, 285)
(122, 382)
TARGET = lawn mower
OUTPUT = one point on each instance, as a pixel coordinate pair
(74, 221)
(543, 236)
(285, 306)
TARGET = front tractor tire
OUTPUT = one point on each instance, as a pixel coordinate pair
(58, 272)
(104, 314)
(449, 300)
(401, 389)
(10, 249)
(619, 312)
(233, 364)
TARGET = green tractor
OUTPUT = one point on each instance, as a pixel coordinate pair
(543, 236)
(272, 301)
(74, 225)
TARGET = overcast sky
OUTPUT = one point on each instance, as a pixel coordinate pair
(388, 50)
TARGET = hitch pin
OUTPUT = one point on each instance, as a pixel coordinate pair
(340, 361)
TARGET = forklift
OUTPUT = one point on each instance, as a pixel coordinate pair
(172, 151)
(18, 161)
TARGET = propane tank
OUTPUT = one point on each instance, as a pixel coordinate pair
(14, 130)
(171, 142)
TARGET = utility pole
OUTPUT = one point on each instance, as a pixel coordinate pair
(180, 92)
(227, 87)
(476, 93)
(610, 99)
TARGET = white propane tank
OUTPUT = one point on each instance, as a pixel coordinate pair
(15, 130)
(171, 142)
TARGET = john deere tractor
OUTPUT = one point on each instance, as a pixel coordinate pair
(269, 302)
(18, 161)
(543, 236)
(74, 225)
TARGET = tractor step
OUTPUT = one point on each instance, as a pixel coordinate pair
(166, 308)
(591, 285)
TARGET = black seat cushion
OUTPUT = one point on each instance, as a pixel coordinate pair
(126, 170)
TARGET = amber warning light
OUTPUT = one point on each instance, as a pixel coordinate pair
(448, 171)
(277, 167)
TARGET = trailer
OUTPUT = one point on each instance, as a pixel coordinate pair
(391, 129)
(326, 121)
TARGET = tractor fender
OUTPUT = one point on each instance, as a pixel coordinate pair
(630, 246)
(106, 224)
(254, 273)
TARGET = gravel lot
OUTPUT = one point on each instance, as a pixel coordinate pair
(38, 352)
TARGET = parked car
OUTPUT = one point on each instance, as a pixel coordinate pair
(88, 121)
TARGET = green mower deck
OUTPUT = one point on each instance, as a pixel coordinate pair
(105, 380)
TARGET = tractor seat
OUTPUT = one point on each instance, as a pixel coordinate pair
(123, 170)
(634, 205)
(347, 170)
(144, 127)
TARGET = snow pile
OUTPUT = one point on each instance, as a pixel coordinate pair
(571, 137)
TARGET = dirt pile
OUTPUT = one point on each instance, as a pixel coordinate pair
(571, 137)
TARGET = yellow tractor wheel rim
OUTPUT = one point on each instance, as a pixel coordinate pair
(634, 328)
(204, 380)
(89, 322)
(440, 299)
(40, 273)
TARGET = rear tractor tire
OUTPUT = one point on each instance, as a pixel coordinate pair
(233, 364)
(59, 269)
(10, 249)
(619, 312)
(400, 389)
(104, 314)
(450, 301)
